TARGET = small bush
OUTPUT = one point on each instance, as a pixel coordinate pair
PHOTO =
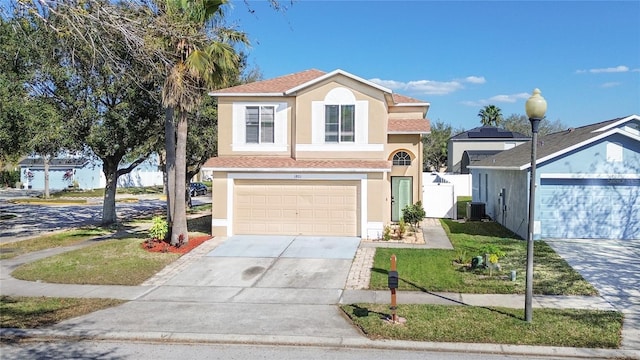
(9, 178)
(402, 228)
(387, 233)
(413, 214)
(159, 229)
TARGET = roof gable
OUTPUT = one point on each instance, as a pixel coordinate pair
(557, 144)
(289, 85)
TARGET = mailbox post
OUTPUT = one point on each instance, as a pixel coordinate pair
(393, 285)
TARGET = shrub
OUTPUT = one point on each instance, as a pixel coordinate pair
(159, 228)
(387, 233)
(413, 214)
(402, 228)
(9, 178)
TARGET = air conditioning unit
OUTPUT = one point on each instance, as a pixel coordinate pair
(475, 211)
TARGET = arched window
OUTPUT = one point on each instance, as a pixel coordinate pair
(402, 158)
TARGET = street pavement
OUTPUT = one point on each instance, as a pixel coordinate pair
(272, 290)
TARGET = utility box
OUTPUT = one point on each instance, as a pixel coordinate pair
(475, 211)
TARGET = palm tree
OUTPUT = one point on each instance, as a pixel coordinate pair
(490, 115)
(200, 62)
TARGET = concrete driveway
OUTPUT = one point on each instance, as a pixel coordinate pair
(258, 286)
(269, 269)
(613, 268)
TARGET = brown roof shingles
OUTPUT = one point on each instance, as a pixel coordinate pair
(275, 85)
(283, 163)
(409, 126)
(284, 83)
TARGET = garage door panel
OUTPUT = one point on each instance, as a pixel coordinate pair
(589, 209)
(296, 207)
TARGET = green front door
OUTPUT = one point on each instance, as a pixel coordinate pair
(401, 195)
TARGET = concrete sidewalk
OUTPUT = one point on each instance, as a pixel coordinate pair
(165, 310)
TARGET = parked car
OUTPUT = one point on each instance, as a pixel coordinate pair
(197, 189)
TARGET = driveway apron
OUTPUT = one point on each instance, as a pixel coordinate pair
(613, 268)
(248, 285)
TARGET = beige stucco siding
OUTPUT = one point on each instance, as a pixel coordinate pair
(376, 120)
(412, 144)
(226, 126)
(406, 112)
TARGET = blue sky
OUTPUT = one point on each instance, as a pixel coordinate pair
(461, 56)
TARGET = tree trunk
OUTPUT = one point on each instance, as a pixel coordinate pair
(170, 163)
(179, 232)
(110, 171)
(45, 160)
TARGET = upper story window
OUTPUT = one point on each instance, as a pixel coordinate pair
(259, 123)
(339, 123)
(614, 152)
(402, 158)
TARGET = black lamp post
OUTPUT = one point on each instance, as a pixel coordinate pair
(535, 107)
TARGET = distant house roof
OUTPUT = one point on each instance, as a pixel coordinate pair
(556, 144)
(54, 163)
(471, 157)
(288, 85)
(489, 132)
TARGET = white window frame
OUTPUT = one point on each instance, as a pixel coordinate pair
(340, 133)
(404, 158)
(239, 135)
(260, 125)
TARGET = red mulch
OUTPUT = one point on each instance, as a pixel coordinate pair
(162, 246)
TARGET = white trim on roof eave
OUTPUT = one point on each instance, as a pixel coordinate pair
(333, 73)
(413, 104)
(408, 132)
(617, 123)
(581, 144)
(300, 170)
(246, 94)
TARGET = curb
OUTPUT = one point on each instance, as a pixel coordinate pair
(344, 342)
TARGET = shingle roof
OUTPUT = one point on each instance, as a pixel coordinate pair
(489, 132)
(282, 84)
(275, 85)
(409, 126)
(254, 163)
(520, 156)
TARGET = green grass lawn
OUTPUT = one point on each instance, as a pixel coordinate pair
(435, 269)
(64, 238)
(109, 262)
(469, 324)
(34, 312)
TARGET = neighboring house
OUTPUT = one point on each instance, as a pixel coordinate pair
(315, 153)
(587, 183)
(477, 143)
(80, 172)
(64, 172)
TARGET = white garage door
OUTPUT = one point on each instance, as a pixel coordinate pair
(590, 208)
(281, 207)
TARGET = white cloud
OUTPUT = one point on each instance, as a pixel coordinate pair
(511, 98)
(429, 87)
(617, 69)
(611, 84)
(475, 79)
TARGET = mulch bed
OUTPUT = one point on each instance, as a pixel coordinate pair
(162, 246)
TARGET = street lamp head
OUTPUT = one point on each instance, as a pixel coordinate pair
(536, 105)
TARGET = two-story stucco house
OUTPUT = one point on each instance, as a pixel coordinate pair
(315, 153)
